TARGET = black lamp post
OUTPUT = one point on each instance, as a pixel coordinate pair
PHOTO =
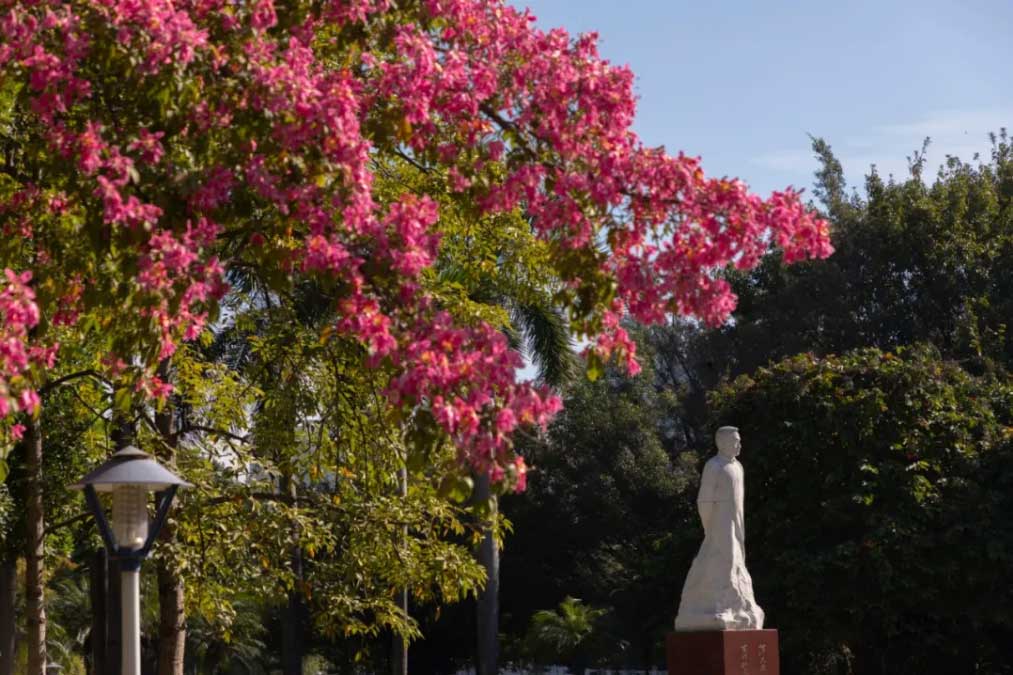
(130, 475)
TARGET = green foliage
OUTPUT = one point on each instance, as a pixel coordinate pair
(603, 514)
(913, 263)
(295, 454)
(69, 621)
(872, 511)
(8, 513)
(556, 636)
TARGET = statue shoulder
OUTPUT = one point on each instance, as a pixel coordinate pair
(718, 465)
(715, 466)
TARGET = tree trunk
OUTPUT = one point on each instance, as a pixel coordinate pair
(399, 646)
(99, 616)
(171, 611)
(171, 619)
(8, 626)
(487, 606)
(35, 609)
(114, 619)
(293, 643)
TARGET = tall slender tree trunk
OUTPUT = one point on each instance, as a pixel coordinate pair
(35, 608)
(293, 639)
(8, 625)
(171, 610)
(99, 617)
(399, 646)
(487, 607)
(171, 618)
(114, 618)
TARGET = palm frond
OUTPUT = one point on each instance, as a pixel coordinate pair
(547, 340)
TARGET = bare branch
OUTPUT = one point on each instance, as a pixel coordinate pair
(50, 386)
(218, 432)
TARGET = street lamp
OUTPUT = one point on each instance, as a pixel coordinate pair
(130, 475)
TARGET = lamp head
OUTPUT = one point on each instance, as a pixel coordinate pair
(130, 474)
(130, 467)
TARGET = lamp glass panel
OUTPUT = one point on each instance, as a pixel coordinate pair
(130, 516)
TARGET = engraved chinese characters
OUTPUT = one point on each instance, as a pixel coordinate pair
(760, 662)
(718, 594)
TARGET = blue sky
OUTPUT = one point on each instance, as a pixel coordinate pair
(742, 82)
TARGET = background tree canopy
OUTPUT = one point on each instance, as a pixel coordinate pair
(877, 522)
(873, 392)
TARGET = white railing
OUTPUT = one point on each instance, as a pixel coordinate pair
(562, 670)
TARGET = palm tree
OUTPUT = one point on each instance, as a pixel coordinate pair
(560, 634)
(540, 332)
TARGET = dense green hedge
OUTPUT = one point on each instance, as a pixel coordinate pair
(878, 504)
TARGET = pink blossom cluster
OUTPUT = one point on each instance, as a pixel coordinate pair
(173, 269)
(50, 45)
(18, 315)
(487, 78)
(465, 375)
(515, 119)
(165, 33)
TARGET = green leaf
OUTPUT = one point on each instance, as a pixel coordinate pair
(122, 400)
(456, 488)
(595, 367)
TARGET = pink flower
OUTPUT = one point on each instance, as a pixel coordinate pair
(263, 16)
(505, 421)
(521, 471)
(29, 401)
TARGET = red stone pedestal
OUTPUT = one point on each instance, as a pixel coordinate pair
(727, 652)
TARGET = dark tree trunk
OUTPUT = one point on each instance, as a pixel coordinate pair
(35, 561)
(487, 607)
(114, 619)
(293, 639)
(8, 625)
(171, 610)
(99, 575)
(398, 645)
(171, 620)
(293, 642)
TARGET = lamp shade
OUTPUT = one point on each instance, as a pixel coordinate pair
(130, 467)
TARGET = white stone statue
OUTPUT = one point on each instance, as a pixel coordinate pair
(718, 594)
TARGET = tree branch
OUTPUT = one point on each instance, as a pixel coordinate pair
(70, 521)
(50, 386)
(411, 161)
(219, 432)
(260, 496)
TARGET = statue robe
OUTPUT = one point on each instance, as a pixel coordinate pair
(718, 594)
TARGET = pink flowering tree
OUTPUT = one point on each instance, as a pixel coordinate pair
(149, 146)
(160, 143)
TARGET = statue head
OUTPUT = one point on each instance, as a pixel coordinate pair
(728, 441)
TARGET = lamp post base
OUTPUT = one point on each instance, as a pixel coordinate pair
(726, 652)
